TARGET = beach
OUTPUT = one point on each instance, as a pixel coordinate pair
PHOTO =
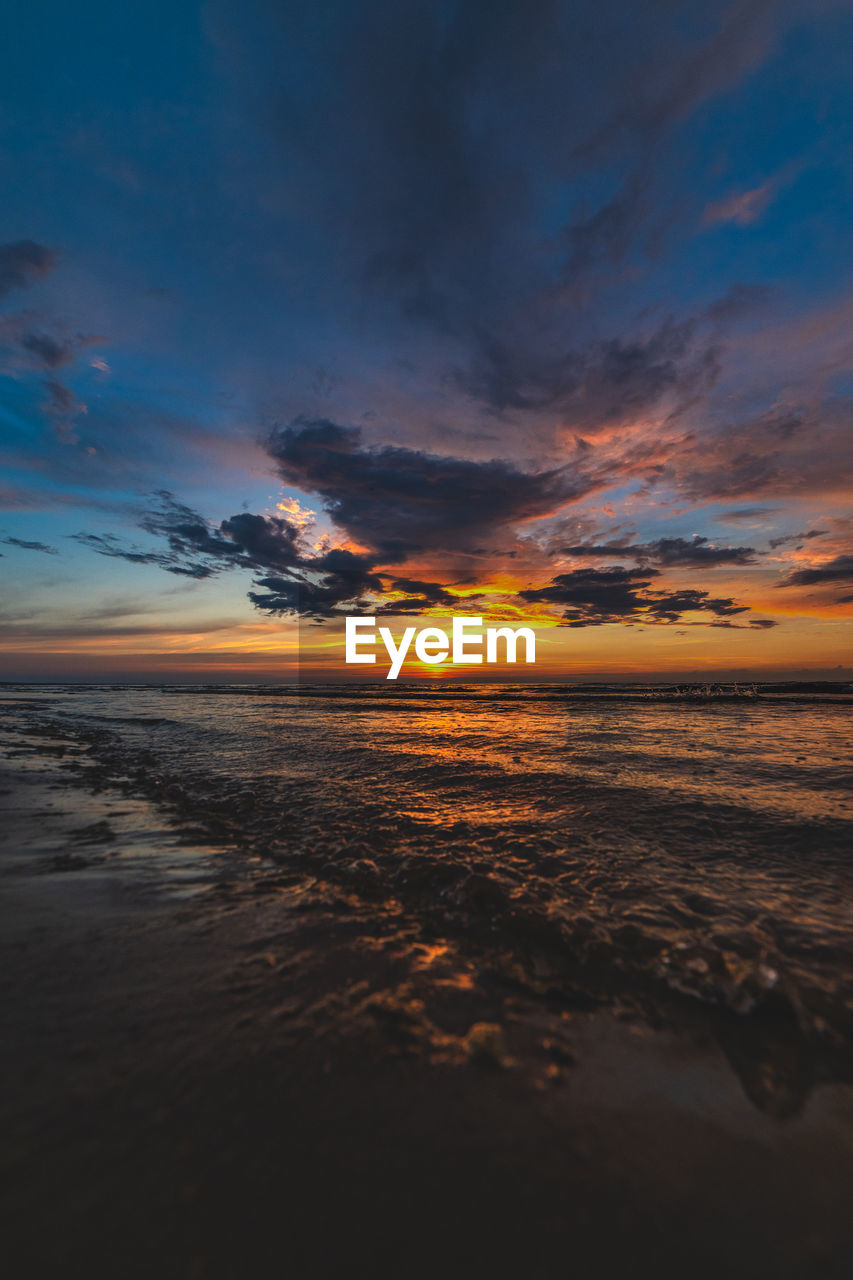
(477, 981)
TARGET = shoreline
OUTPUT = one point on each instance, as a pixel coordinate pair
(689, 693)
(214, 1060)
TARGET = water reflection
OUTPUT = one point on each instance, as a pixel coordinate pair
(574, 843)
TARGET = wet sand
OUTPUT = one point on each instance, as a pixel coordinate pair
(217, 1066)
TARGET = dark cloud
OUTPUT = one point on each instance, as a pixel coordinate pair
(28, 344)
(61, 399)
(485, 219)
(199, 550)
(748, 513)
(477, 167)
(838, 570)
(695, 553)
(420, 596)
(433, 592)
(29, 546)
(189, 534)
(50, 352)
(22, 263)
(268, 541)
(294, 579)
(62, 407)
(786, 451)
(31, 342)
(399, 501)
(797, 537)
(610, 383)
(339, 577)
(107, 544)
(593, 597)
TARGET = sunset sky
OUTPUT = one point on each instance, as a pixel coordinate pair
(541, 312)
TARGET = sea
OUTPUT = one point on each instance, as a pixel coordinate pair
(679, 848)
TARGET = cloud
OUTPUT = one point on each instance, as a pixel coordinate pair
(608, 384)
(479, 222)
(107, 544)
(501, 162)
(267, 541)
(189, 534)
(697, 553)
(398, 501)
(419, 596)
(748, 514)
(29, 546)
(199, 550)
(22, 263)
(741, 300)
(293, 578)
(787, 538)
(339, 577)
(27, 345)
(47, 350)
(593, 597)
(432, 592)
(742, 208)
(792, 449)
(756, 624)
(838, 570)
(62, 406)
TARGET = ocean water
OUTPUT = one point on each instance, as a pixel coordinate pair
(608, 843)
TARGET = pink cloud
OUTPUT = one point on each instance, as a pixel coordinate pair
(744, 208)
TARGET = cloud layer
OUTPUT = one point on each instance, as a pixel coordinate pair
(539, 307)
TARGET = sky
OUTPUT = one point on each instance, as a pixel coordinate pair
(540, 312)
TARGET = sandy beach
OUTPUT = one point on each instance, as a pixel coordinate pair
(219, 1065)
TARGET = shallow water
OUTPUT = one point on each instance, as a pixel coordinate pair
(599, 841)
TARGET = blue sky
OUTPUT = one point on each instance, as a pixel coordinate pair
(600, 239)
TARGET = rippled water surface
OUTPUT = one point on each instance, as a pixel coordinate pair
(701, 846)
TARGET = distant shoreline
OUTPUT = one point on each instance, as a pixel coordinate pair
(496, 691)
